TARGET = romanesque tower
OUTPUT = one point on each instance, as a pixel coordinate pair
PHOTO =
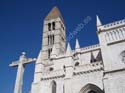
(53, 34)
(53, 43)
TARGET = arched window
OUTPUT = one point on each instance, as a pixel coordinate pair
(53, 25)
(53, 39)
(49, 26)
(53, 87)
(49, 52)
(48, 40)
(123, 56)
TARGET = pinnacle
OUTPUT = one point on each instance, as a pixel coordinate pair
(68, 51)
(98, 22)
(77, 47)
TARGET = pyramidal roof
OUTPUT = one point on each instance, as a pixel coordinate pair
(54, 13)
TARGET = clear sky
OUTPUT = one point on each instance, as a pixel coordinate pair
(21, 24)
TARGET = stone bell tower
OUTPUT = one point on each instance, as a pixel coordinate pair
(53, 34)
(53, 43)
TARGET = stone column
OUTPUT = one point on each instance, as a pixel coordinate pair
(19, 78)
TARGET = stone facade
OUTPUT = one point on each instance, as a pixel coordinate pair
(98, 68)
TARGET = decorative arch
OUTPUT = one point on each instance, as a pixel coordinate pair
(53, 87)
(91, 88)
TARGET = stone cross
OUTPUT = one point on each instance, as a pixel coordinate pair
(23, 60)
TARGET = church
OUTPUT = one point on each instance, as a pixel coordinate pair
(98, 68)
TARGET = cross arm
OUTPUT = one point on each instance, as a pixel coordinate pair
(26, 61)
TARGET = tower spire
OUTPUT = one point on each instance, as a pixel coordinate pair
(98, 22)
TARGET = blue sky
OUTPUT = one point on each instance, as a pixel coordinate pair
(21, 24)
